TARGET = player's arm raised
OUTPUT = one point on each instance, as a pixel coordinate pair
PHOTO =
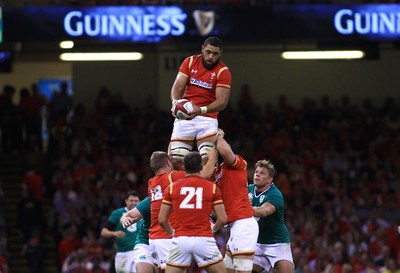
(224, 149)
(209, 167)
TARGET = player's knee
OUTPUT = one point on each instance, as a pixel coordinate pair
(205, 147)
(243, 264)
(180, 149)
(228, 261)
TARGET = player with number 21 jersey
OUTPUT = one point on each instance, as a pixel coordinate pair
(192, 199)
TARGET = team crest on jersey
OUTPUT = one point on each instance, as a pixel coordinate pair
(142, 257)
(194, 71)
(213, 74)
(132, 228)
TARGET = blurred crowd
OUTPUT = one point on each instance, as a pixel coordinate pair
(338, 163)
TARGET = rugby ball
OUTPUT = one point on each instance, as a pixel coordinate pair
(181, 108)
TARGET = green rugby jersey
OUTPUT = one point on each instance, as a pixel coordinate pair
(126, 243)
(144, 224)
(272, 229)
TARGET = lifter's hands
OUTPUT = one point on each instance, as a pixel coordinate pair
(195, 112)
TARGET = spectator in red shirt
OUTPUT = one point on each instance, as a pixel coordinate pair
(34, 183)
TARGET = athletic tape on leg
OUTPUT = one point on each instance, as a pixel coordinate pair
(180, 149)
(205, 147)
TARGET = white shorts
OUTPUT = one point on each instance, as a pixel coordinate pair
(124, 262)
(243, 237)
(194, 129)
(160, 249)
(267, 255)
(142, 254)
(203, 250)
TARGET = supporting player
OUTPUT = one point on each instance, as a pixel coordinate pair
(192, 199)
(160, 241)
(231, 178)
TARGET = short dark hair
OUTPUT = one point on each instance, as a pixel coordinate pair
(132, 193)
(214, 41)
(158, 160)
(193, 162)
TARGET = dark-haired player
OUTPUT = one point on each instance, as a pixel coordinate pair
(125, 237)
(205, 80)
(192, 199)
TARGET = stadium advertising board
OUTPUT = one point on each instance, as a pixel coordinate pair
(174, 24)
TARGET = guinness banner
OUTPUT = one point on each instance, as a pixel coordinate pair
(175, 24)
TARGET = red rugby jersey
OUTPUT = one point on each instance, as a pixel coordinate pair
(201, 82)
(192, 199)
(155, 190)
(232, 180)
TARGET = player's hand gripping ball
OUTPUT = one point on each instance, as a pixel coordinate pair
(182, 108)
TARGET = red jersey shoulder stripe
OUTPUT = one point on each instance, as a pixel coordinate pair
(237, 160)
(214, 188)
(183, 74)
(170, 177)
(224, 85)
(190, 62)
(221, 70)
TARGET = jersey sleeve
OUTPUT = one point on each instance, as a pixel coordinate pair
(250, 188)
(167, 196)
(184, 68)
(239, 164)
(114, 217)
(224, 78)
(276, 200)
(217, 195)
(144, 207)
